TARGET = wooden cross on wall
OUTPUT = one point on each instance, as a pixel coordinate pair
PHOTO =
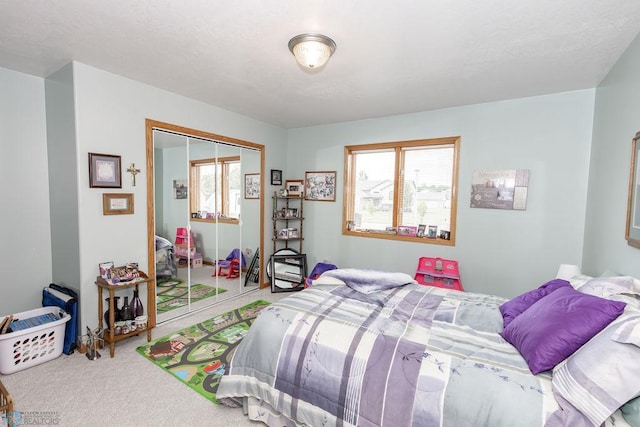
(133, 171)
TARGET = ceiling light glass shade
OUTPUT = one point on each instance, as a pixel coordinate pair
(312, 50)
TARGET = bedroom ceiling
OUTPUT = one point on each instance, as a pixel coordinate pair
(392, 57)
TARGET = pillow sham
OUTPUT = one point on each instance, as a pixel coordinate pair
(557, 325)
(628, 333)
(606, 286)
(516, 306)
(602, 376)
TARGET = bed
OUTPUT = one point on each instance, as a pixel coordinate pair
(165, 262)
(377, 349)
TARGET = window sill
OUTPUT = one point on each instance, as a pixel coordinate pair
(219, 220)
(388, 236)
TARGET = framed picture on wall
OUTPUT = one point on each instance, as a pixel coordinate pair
(117, 203)
(632, 232)
(320, 186)
(276, 177)
(105, 171)
(252, 186)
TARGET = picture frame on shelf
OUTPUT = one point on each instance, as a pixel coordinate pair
(276, 177)
(432, 232)
(320, 186)
(104, 268)
(251, 185)
(117, 203)
(421, 230)
(294, 188)
(632, 229)
(105, 171)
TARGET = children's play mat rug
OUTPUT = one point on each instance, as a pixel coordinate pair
(173, 293)
(199, 354)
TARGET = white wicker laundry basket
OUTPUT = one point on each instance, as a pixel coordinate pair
(32, 346)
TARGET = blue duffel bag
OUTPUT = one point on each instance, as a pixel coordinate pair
(67, 299)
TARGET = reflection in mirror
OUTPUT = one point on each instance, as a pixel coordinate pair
(202, 220)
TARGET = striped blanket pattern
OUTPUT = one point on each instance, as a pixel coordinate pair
(411, 355)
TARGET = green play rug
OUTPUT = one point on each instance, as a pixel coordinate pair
(173, 293)
(199, 354)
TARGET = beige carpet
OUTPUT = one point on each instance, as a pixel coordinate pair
(125, 390)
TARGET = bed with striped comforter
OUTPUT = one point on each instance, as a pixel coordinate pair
(411, 355)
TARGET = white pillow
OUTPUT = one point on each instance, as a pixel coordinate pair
(628, 332)
(602, 375)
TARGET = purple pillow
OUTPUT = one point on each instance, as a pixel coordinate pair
(513, 308)
(557, 325)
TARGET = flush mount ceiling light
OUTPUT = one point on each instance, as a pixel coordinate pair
(312, 50)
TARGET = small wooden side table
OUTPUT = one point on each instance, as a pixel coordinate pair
(6, 401)
(109, 336)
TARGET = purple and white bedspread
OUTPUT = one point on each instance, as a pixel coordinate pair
(407, 356)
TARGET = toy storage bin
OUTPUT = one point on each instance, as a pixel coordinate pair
(32, 346)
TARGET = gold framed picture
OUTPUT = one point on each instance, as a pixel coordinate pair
(117, 203)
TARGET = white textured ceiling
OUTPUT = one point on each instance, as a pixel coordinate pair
(393, 57)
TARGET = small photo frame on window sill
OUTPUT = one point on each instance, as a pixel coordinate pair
(117, 203)
(105, 171)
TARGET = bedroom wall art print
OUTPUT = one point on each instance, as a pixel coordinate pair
(105, 171)
(252, 186)
(320, 186)
(500, 189)
(632, 232)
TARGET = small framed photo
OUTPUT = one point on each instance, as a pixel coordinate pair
(283, 233)
(276, 177)
(180, 189)
(252, 186)
(105, 171)
(320, 186)
(445, 235)
(294, 188)
(293, 233)
(421, 230)
(407, 230)
(432, 233)
(117, 203)
(104, 269)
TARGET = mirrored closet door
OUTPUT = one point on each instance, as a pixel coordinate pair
(207, 218)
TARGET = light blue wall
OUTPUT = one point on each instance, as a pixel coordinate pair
(617, 119)
(25, 252)
(110, 118)
(500, 252)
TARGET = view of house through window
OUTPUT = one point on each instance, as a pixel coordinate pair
(218, 188)
(402, 189)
